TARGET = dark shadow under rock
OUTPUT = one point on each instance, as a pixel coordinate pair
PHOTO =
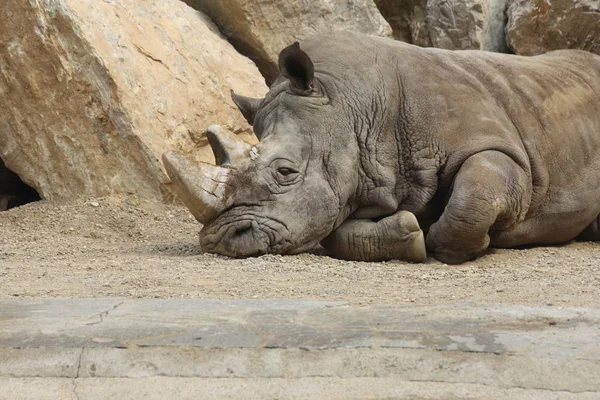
(13, 191)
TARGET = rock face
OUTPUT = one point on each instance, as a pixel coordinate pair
(455, 25)
(407, 19)
(92, 92)
(261, 29)
(526, 27)
(538, 26)
(445, 24)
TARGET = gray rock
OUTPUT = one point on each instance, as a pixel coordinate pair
(436, 23)
(407, 19)
(455, 25)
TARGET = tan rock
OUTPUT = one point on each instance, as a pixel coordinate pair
(538, 26)
(261, 29)
(92, 92)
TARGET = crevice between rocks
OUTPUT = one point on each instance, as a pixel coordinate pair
(243, 42)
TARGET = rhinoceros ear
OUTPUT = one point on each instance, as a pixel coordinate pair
(296, 65)
(247, 105)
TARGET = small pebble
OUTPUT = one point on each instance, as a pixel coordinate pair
(94, 204)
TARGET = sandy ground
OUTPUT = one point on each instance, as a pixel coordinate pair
(134, 248)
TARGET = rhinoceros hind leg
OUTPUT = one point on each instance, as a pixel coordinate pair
(489, 191)
(395, 237)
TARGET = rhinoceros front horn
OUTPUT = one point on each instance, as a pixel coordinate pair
(202, 188)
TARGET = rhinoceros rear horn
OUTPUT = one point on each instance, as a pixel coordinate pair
(247, 105)
(297, 66)
(227, 147)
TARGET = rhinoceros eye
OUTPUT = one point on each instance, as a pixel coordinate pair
(286, 171)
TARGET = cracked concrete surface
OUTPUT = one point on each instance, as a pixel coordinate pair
(105, 314)
(116, 348)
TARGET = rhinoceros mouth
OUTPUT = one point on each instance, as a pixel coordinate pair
(243, 233)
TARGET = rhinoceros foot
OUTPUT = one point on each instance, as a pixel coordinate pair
(395, 237)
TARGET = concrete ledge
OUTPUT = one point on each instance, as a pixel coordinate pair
(553, 332)
(502, 371)
(274, 388)
(270, 349)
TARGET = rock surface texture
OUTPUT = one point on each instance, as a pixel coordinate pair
(407, 19)
(436, 23)
(261, 29)
(92, 92)
(538, 26)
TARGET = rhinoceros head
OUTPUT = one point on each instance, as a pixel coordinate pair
(289, 191)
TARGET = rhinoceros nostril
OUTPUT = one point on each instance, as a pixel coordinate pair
(244, 230)
(244, 240)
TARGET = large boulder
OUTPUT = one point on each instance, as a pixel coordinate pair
(436, 23)
(92, 92)
(538, 26)
(261, 29)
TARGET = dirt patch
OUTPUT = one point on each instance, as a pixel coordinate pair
(133, 248)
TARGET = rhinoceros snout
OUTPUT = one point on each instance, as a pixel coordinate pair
(243, 239)
(243, 232)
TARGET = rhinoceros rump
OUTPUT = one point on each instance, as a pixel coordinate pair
(366, 143)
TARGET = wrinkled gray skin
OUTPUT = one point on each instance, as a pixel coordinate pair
(484, 149)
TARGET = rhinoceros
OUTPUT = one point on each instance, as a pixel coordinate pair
(379, 150)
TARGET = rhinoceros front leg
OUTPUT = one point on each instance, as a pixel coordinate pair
(489, 192)
(395, 237)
